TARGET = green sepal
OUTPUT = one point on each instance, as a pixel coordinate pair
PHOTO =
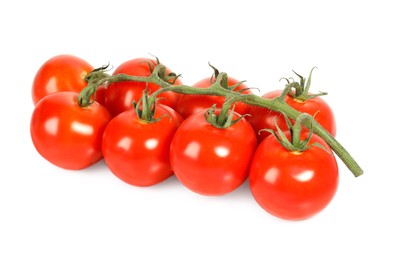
(169, 78)
(294, 143)
(97, 74)
(224, 81)
(145, 109)
(224, 119)
(301, 88)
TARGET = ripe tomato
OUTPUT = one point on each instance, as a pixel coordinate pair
(60, 73)
(209, 160)
(293, 185)
(66, 134)
(120, 95)
(137, 152)
(262, 118)
(190, 104)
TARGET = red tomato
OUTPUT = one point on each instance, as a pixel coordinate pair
(60, 73)
(190, 104)
(293, 185)
(67, 135)
(120, 95)
(209, 160)
(262, 118)
(137, 152)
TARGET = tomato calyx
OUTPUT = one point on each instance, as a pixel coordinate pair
(93, 77)
(223, 80)
(295, 143)
(162, 73)
(170, 78)
(220, 121)
(98, 73)
(145, 109)
(301, 88)
(225, 119)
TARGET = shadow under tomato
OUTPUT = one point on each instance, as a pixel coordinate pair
(242, 193)
(98, 168)
(170, 183)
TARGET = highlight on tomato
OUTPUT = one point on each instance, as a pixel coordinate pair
(298, 97)
(211, 158)
(60, 73)
(66, 134)
(136, 143)
(119, 96)
(293, 174)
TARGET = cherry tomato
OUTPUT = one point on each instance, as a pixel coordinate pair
(210, 160)
(137, 152)
(190, 104)
(262, 118)
(120, 95)
(60, 73)
(65, 134)
(293, 185)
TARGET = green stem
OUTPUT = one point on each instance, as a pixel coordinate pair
(277, 104)
(146, 108)
(296, 135)
(283, 107)
(223, 116)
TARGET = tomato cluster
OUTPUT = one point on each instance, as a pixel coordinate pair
(210, 149)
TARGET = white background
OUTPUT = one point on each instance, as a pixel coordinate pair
(51, 213)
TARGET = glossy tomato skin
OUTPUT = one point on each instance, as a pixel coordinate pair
(262, 118)
(120, 95)
(293, 185)
(137, 152)
(209, 160)
(66, 134)
(190, 104)
(60, 73)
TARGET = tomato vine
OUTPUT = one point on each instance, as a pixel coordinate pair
(99, 77)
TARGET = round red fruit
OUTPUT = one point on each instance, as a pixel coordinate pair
(65, 134)
(60, 73)
(210, 160)
(136, 151)
(293, 185)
